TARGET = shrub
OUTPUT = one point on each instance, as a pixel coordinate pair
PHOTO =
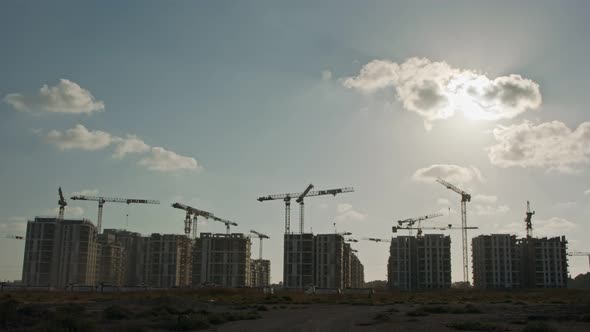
(116, 312)
(192, 322)
(538, 327)
(471, 325)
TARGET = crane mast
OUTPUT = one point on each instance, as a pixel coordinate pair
(529, 220)
(465, 197)
(101, 200)
(307, 193)
(62, 204)
(261, 237)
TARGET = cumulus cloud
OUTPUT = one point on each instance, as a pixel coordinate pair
(163, 160)
(452, 173)
(347, 213)
(550, 145)
(79, 138)
(86, 192)
(158, 159)
(65, 97)
(131, 144)
(436, 91)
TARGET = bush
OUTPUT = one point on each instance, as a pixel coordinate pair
(116, 312)
(192, 322)
(471, 326)
(538, 327)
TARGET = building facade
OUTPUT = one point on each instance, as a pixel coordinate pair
(60, 253)
(496, 261)
(419, 263)
(298, 260)
(260, 269)
(136, 247)
(543, 262)
(222, 259)
(167, 262)
(331, 267)
(111, 261)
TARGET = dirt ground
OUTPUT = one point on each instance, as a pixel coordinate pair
(250, 310)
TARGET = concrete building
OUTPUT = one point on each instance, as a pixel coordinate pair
(168, 261)
(136, 248)
(222, 259)
(357, 272)
(419, 263)
(298, 260)
(543, 262)
(260, 269)
(60, 253)
(111, 261)
(331, 265)
(496, 261)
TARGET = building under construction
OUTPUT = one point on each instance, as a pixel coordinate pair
(419, 263)
(135, 247)
(222, 259)
(167, 263)
(260, 270)
(60, 252)
(503, 261)
(111, 261)
(496, 261)
(327, 261)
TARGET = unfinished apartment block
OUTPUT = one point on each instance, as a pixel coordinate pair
(222, 259)
(169, 261)
(135, 248)
(260, 270)
(419, 263)
(357, 273)
(496, 261)
(543, 262)
(60, 253)
(298, 260)
(111, 261)
(330, 261)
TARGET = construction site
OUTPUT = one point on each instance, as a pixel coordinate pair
(62, 253)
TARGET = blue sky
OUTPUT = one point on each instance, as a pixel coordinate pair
(263, 97)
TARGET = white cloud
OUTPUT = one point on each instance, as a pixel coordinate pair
(347, 213)
(550, 145)
(79, 138)
(452, 173)
(436, 91)
(587, 192)
(86, 192)
(485, 199)
(163, 160)
(326, 75)
(65, 97)
(159, 159)
(131, 144)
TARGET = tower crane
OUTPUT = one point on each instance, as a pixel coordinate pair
(412, 221)
(465, 197)
(440, 228)
(344, 233)
(376, 240)
(528, 220)
(261, 237)
(579, 253)
(16, 237)
(191, 211)
(62, 204)
(226, 222)
(351, 240)
(102, 200)
(299, 198)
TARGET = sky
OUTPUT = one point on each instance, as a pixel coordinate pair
(214, 104)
